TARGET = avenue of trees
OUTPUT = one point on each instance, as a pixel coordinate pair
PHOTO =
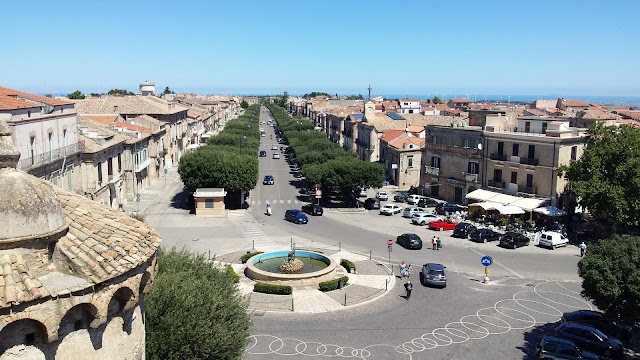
(323, 162)
(229, 160)
(194, 310)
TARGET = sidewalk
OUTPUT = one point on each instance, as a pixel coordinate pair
(160, 191)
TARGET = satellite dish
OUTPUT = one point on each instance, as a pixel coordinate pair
(479, 146)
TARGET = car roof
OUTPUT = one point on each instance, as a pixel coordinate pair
(583, 314)
(434, 266)
(549, 338)
(578, 326)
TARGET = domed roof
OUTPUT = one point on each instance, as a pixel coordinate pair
(29, 208)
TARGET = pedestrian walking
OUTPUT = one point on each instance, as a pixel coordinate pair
(408, 286)
(403, 267)
(583, 248)
(408, 270)
(433, 243)
(438, 243)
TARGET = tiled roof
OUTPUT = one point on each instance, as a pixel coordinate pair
(43, 99)
(112, 121)
(18, 283)
(90, 145)
(11, 103)
(596, 114)
(415, 128)
(634, 123)
(442, 107)
(399, 142)
(459, 100)
(383, 123)
(534, 112)
(391, 134)
(193, 114)
(128, 105)
(408, 99)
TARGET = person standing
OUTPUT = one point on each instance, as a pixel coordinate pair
(402, 269)
(408, 287)
(438, 243)
(433, 243)
(583, 248)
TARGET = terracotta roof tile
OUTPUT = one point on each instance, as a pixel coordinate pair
(11, 103)
(17, 283)
(391, 134)
(42, 99)
(459, 100)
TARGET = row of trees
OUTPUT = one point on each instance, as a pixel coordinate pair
(323, 162)
(229, 160)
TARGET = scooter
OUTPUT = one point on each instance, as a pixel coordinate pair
(269, 211)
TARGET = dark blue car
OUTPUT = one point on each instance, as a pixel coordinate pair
(296, 216)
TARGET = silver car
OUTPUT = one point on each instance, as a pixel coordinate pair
(423, 218)
(410, 210)
(390, 209)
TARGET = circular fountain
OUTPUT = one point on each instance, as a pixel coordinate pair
(297, 267)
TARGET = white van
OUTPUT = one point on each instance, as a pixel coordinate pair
(413, 199)
(552, 239)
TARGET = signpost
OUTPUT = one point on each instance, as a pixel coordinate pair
(318, 195)
(390, 248)
(138, 202)
(486, 261)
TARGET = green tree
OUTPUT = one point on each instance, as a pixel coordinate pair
(610, 273)
(167, 91)
(244, 104)
(208, 167)
(194, 310)
(313, 94)
(606, 178)
(119, 92)
(437, 100)
(76, 95)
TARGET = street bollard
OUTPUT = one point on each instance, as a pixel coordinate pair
(339, 246)
(292, 304)
(386, 284)
(254, 245)
(369, 254)
(345, 299)
(209, 254)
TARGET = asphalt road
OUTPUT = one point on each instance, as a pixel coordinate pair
(369, 231)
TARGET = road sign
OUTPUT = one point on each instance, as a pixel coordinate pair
(138, 197)
(486, 260)
(390, 248)
(318, 193)
(389, 242)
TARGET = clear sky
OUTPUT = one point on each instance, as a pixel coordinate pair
(415, 47)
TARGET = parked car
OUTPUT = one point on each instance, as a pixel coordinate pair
(263, 153)
(423, 218)
(382, 195)
(409, 241)
(274, 147)
(268, 180)
(433, 274)
(484, 235)
(589, 338)
(296, 216)
(363, 192)
(551, 347)
(442, 225)
(390, 209)
(600, 322)
(427, 202)
(276, 155)
(313, 209)
(513, 240)
(413, 199)
(552, 240)
(410, 210)
(463, 229)
(400, 197)
(372, 203)
(447, 208)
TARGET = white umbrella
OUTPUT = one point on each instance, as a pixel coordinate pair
(510, 210)
(550, 211)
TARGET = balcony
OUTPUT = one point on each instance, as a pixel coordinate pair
(471, 178)
(527, 161)
(452, 149)
(48, 157)
(432, 170)
(496, 184)
(498, 156)
(527, 190)
(142, 165)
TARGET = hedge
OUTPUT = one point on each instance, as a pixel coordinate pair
(272, 289)
(232, 273)
(333, 284)
(249, 255)
(351, 267)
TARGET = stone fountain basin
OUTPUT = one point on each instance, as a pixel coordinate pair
(310, 278)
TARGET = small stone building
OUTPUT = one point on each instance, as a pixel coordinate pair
(210, 201)
(73, 273)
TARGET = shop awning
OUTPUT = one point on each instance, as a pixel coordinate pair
(482, 195)
(487, 205)
(528, 204)
(505, 199)
(510, 210)
(550, 211)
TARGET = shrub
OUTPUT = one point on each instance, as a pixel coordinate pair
(138, 216)
(333, 284)
(351, 267)
(503, 221)
(232, 273)
(266, 288)
(249, 255)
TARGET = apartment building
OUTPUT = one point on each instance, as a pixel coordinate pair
(350, 132)
(525, 160)
(401, 155)
(44, 130)
(452, 161)
(458, 103)
(409, 106)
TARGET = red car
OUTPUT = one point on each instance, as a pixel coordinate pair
(442, 225)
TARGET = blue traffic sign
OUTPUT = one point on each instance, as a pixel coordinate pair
(486, 260)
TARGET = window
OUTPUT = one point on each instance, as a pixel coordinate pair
(54, 179)
(64, 137)
(500, 147)
(532, 152)
(514, 177)
(410, 161)
(473, 168)
(208, 203)
(32, 145)
(515, 150)
(435, 162)
(50, 145)
(497, 175)
(574, 152)
(530, 180)
(527, 126)
(119, 162)
(99, 173)
(544, 127)
(466, 143)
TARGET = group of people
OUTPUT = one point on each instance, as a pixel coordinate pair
(405, 270)
(436, 244)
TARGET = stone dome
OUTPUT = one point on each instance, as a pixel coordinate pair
(29, 208)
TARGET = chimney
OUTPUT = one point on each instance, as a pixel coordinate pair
(115, 108)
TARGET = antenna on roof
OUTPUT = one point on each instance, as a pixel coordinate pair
(369, 88)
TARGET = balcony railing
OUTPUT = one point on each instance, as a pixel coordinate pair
(527, 190)
(432, 170)
(528, 161)
(498, 156)
(496, 184)
(49, 156)
(452, 149)
(142, 165)
(471, 177)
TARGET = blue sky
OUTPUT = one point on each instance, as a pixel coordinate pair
(413, 47)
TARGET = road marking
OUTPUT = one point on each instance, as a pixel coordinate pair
(288, 201)
(502, 266)
(281, 201)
